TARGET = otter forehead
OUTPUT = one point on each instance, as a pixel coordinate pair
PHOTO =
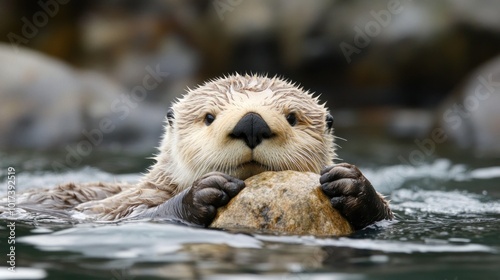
(245, 92)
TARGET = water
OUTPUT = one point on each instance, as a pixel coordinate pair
(447, 227)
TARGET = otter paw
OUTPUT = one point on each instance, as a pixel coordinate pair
(210, 192)
(198, 204)
(353, 195)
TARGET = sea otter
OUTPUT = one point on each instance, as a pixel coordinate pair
(216, 136)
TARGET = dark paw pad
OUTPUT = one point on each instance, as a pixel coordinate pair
(353, 195)
(211, 191)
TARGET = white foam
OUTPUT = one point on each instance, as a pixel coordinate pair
(22, 273)
(47, 179)
(442, 202)
(389, 178)
(485, 173)
(381, 245)
(143, 239)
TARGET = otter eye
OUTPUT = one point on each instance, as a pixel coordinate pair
(291, 119)
(329, 121)
(209, 119)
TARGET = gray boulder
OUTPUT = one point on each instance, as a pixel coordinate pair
(47, 104)
(471, 117)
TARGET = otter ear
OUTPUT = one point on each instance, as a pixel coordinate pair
(329, 121)
(170, 117)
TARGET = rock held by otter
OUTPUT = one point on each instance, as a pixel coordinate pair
(218, 135)
(287, 202)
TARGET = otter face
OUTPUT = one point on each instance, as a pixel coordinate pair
(244, 125)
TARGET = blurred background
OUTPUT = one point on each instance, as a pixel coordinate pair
(81, 77)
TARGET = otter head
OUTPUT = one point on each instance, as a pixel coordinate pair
(244, 125)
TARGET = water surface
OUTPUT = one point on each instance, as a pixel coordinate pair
(447, 227)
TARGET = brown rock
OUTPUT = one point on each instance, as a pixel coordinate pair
(286, 202)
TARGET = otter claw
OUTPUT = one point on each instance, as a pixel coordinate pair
(353, 195)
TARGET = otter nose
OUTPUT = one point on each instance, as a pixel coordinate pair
(252, 129)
